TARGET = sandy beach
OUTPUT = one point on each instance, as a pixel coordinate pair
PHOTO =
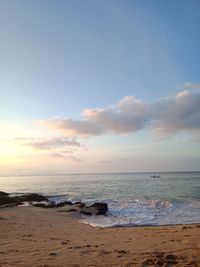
(33, 236)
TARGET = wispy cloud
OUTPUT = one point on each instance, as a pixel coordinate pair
(164, 118)
(189, 86)
(51, 143)
(57, 147)
(64, 155)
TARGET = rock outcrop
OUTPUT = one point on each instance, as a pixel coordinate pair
(3, 194)
(6, 200)
(33, 197)
(41, 201)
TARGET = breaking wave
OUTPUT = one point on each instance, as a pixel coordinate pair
(146, 212)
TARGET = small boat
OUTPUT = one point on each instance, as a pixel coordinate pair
(155, 176)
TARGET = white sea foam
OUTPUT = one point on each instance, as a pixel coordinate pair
(149, 212)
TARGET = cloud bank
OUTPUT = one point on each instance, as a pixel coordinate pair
(164, 118)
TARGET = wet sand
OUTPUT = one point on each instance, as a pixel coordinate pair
(32, 237)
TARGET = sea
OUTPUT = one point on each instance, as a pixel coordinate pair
(133, 199)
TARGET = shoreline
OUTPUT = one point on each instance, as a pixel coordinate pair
(34, 236)
(145, 225)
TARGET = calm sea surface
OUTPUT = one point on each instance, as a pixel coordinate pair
(133, 198)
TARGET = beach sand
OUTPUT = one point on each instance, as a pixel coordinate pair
(32, 237)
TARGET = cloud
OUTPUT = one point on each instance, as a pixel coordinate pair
(73, 127)
(189, 86)
(163, 118)
(127, 116)
(57, 147)
(64, 156)
(172, 115)
(51, 143)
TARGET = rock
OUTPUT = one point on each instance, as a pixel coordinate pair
(3, 194)
(86, 212)
(72, 210)
(33, 197)
(79, 205)
(52, 204)
(44, 205)
(61, 204)
(68, 203)
(5, 200)
(101, 208)
(96, 209)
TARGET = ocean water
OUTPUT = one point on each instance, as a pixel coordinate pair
(133, 198)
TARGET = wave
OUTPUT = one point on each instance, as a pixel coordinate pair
(146, 212)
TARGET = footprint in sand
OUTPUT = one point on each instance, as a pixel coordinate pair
(161, 259)
(52, 254)
(65, 242)
(121, 251)
(105, 252)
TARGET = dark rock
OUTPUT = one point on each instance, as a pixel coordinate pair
(68, 203)
(96, 209)
(101, 208)
(52, 204)
(5, 200)
(43, 205)
(9, 200)
(71, 210)
(86, 212)
(33, 197)
(61, 204)
(79, 205)
(3, 194)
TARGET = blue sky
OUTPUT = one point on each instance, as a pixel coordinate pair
(59, 58)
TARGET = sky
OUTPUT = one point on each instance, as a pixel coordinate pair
(99, 86)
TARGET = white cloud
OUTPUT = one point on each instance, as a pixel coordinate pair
(129, 115)
(182, 94)
(176, 114)
(71, 127)
(164, 118)
(189, 86)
